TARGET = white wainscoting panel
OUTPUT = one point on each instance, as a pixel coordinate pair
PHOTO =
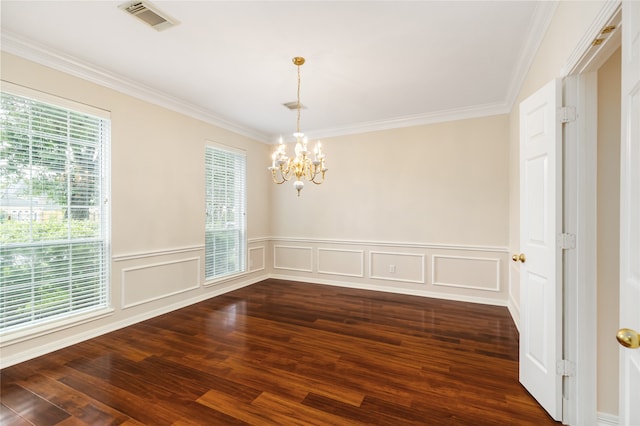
(393, 266)
(293, 258)
(466, 272)
(256, 259)
(145, 283)
(348, 263)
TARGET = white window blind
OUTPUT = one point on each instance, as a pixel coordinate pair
(53, 213)
(225, 233)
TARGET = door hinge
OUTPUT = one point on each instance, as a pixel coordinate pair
(566, 241)
(567, 114)
(565, 368)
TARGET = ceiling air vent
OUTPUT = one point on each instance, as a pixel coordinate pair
(149, 14)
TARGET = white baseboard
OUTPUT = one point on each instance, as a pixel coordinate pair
(386, 289)
(514, 310)
(606, 419)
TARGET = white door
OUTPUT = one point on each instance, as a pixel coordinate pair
(541, 267)
(630, 214)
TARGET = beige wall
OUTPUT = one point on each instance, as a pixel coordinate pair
(608, 231)
(419, 210)
(157, 204)
(440, 184)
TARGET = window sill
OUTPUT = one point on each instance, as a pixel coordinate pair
(217, 281)
(32, 332)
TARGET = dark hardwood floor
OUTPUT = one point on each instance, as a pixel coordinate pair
(286, 353)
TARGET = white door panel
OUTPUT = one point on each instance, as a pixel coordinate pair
(630, 212)
(540, 222)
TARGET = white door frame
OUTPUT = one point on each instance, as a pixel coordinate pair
(580, 139)
(579, 264)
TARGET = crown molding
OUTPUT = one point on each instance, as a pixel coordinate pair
(33, 51)
(542, 17)
(44, 55)
(475, 111)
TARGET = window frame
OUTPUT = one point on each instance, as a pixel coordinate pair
(47, 325)
(241, 217)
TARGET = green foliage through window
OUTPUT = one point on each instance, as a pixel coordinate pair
(53, 236)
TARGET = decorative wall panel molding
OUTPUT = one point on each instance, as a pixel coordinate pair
(456, 272)
(146, 283)
(413, 245)
(348, 263)
(256, 259)
(392, 266)
(156, 253)
(293, 258)
(466, 272)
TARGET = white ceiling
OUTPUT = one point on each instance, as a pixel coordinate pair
(370, 64)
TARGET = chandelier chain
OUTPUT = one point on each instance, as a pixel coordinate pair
(298, 106)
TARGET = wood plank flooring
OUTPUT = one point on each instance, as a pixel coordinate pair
(286, 353)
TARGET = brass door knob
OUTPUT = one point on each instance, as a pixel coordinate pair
(628, 338)
(519, 257)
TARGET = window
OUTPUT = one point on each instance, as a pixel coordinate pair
(53, 214)
(225, 234)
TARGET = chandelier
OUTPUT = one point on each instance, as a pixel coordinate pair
(301, 167)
